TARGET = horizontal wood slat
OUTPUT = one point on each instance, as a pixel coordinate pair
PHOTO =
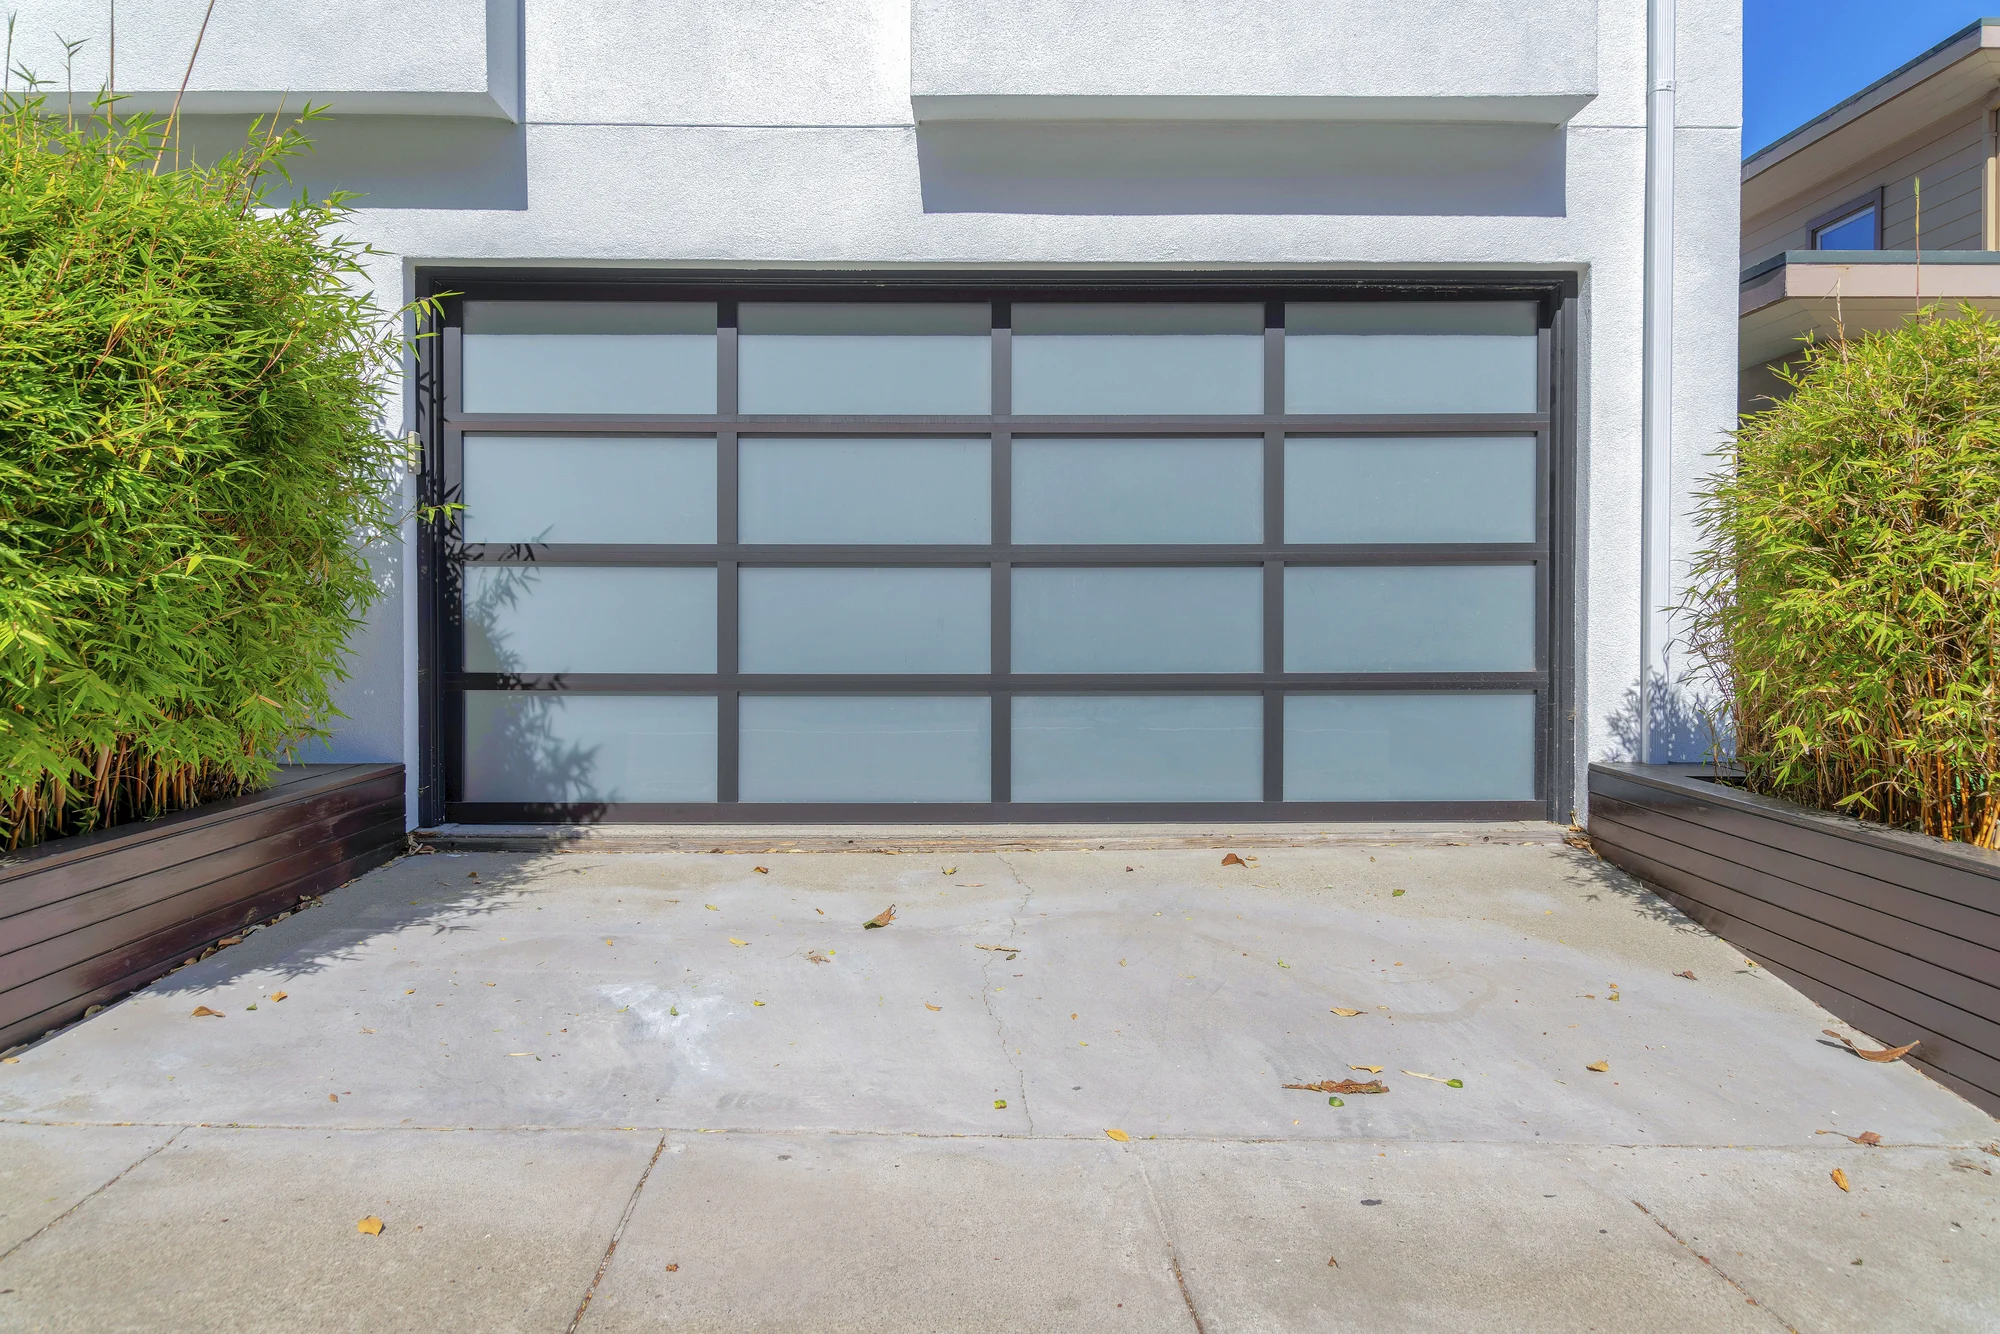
(181, 883)
(1959, 1015)
(1927, 911)
(1929, 866)
(157, 846)
(1908, 951)
(1890, 933)
(72, 931)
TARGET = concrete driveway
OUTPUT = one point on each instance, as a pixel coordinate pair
(670, 1091)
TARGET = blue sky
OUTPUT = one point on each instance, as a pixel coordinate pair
(1800, 58)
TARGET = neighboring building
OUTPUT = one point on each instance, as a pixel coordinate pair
(996, 409)
(1833, 235)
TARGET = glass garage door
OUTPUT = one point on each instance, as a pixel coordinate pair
(973, 559)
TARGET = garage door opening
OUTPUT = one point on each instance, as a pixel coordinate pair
(925, 553)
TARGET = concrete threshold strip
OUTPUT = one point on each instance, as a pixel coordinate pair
(916, 838)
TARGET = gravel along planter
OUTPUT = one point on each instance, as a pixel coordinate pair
(1895, 932)
(85, 920)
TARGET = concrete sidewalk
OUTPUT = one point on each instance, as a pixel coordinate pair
(674, 1091)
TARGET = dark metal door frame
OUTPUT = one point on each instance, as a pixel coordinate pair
(442, 552)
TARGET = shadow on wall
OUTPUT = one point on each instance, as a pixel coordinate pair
(444, 162)
(1261, 167)
(1686, 728)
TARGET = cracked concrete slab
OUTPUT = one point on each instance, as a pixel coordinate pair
(45, 1171)
(890, 1233)
(559, 999)
(254, 1230)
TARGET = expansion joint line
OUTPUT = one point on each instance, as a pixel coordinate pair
(619, 1231)
(1167, 1236)
(1714, 1267)
(93, 1195)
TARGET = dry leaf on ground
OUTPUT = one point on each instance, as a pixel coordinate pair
(951, 870)
(1009, 950)
(371, 1225)
(1342, 1086)
(230, 940)
(203, 1012)
(1120, 1136)
(1602, 1067)
(1435, 1079)
(734, 941)
(1687, 973)
(1839, 1178)
(1886, 1054)
(279, 995)
(1000, 1104)
(1866, 1137)
(1332, 1263)
(1371, 1069)
(761, 870)
(929, 1006)
(673, 1269)
(816, 957)
(1345, 1014)
(1231, 859)
(883, 918)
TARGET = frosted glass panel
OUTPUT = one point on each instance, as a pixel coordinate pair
(1410, 618)
(1115, 359)
(544, 619)
(865, 620)
(1410, 490)
(537, 746)
(866, 748)
(1138, 491)
(1410, 356)
(588, 356)
(1138, 748)
(1138, 620)
(831, 491)
(864, 358)
(1431, 747)
(588, 489)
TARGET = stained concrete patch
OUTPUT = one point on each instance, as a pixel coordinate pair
(254, 1230)
(47, 1170)
(890, 1233)
(1431, 1237)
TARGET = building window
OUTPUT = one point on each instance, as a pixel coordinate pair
(1856, 229)
(1037, 555)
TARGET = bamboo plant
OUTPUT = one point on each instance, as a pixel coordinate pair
(1848, 594)
(192, 460)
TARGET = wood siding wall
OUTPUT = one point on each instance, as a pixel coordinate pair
(1897, 934)
(1949, 156)
(85, 920)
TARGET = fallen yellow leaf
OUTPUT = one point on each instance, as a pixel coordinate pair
(1839, 1178)
(1371, 1069)
(1231, 859)
(371, 1225)
(1888, 1054)
(10, 1060)
(1602, 1067)
(929, 1006)
(951, 870)
(883, 918)
(756, 1002)
(1120, 1136)
(761, 870)
(279, 995)
(1345, 1014)
(202, 1011)
(711, 907)
(734, 941)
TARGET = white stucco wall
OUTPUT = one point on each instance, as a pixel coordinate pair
(779, 133)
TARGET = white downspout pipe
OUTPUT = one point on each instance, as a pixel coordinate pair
(1657, 389)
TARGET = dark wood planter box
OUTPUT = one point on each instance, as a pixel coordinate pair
(85, 920)
(1895, 932)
